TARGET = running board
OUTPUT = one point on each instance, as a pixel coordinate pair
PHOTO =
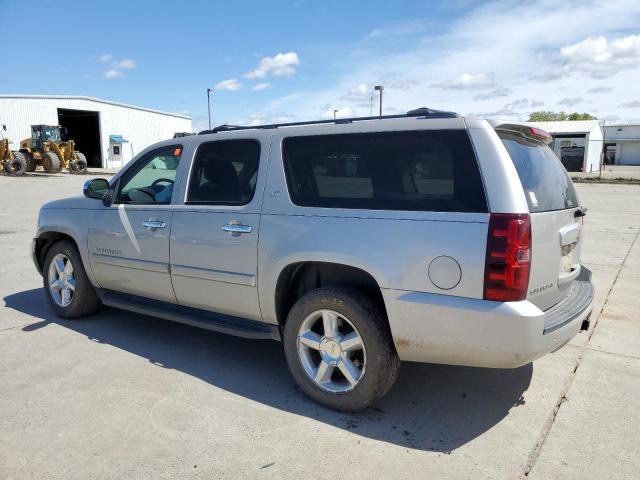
(195, 317)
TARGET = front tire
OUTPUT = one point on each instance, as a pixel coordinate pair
(339, 348)
(17, 166)
(51, 162)
(67, 287)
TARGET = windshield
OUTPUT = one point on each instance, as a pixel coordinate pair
(544, 179)
(46, 134)
(51, 134)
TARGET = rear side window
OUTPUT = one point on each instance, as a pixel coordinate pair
(224, 172)
(416, 170)
(544, 179)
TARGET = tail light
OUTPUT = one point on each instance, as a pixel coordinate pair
(508, 259)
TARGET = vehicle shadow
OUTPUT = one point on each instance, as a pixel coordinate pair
(431, 407)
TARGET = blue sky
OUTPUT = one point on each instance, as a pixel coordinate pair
(301, 59)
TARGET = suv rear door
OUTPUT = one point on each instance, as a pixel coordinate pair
(556, 216)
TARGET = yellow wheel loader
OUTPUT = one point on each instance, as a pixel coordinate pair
(46, 148)
(13, 163)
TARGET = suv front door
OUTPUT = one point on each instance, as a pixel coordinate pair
(129, 240)
(214, 239)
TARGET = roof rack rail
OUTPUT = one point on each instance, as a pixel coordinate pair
(422, 112)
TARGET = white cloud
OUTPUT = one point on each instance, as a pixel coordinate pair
(264, 117)
(117, 67)
(113, 73)
(612, 118)
(496, 93)
(124, 64)
(599, 57)
(571, 102)
(255, 119)
(633, 104)
(410, 27)
(600, 90)
(549, 76)
(468, 81)
(282, 64)
(261, 86)
(230, 84)
(359, 93)
(523, 103)
(504, 113)
(400, 84)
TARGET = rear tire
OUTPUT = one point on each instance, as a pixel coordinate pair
(79, 165)
(350, 368)
(66, 285)
(51, 162)
(17, 166)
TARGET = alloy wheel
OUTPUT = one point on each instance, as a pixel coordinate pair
(331, 351)
(62, 282)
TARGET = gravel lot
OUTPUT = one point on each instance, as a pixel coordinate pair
(121, 395)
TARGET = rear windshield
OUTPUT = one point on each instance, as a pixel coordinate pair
(416, 170)
(544, 179)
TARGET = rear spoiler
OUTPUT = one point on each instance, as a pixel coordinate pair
(527, 131)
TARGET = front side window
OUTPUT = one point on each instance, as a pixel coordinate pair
(224, 172)
(151, 179)
(430, 170)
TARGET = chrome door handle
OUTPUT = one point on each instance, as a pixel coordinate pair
(153, 224)
(236, 228)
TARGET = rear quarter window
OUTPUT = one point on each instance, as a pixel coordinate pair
(545, 181)
(415, 171)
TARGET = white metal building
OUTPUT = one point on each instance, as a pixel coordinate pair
(578, 143)
(92, 123)
(622, 144)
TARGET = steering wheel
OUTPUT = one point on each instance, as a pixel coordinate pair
(160, 180)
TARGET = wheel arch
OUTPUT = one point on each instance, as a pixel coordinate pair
(43, 242)
(298, 278)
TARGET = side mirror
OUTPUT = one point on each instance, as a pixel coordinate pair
(96, 188)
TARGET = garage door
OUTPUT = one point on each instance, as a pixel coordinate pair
(630, 153)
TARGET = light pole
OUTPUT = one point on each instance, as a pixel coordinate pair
(209, 91)
(380, 88)
(371, 99)
(334, 113)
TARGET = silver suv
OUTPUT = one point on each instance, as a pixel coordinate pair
(358, 243)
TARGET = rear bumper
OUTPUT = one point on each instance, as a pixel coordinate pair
(579, 298)
(464, 331)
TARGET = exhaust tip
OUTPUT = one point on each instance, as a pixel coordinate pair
(585, 323)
